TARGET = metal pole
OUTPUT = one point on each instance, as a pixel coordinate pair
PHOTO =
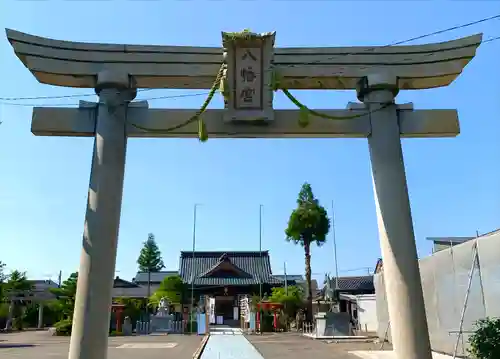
(260, 278)
(466, 300)
(286, 280)
(286, 289)
(149, 281)
(260, 247)
(192, 268)
(335, 250)
(149, 292)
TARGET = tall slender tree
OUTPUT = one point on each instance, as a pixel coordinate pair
(150, 256)
(308, 224)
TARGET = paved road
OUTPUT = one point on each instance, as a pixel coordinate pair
(41, 346)
(229, 344)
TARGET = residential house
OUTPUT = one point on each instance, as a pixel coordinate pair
(441, 243)
(299, 280)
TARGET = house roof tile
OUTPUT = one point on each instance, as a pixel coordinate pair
(140, 291)
(294, 277)
(354, 283)
(156, 277)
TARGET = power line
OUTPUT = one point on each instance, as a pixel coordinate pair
(491, 39)
(457, 27)
(448, 29)
(56, 97)
(75, 104)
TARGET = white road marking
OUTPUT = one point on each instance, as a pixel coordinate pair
(147, 346)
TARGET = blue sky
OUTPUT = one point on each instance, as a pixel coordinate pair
(453, 183)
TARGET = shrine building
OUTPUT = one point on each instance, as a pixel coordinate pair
(223, 275)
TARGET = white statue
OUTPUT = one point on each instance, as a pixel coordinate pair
(163, 306)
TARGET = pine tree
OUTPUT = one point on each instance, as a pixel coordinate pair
(66, 295)
(150, 257)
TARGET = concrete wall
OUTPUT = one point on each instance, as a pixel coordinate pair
(367, 312)
(445, 276)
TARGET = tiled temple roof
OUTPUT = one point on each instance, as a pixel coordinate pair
(227, 268)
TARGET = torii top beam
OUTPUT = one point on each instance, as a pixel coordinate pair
(76, 64)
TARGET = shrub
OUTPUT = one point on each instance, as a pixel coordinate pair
(266, 322)
(188, 327)
(63, 327)
(51, 314)
(485, 341)
(18, 323)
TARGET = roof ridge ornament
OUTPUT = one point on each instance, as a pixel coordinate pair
(224, 257)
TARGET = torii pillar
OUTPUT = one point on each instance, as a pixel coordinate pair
(410, 334)
(89, 335)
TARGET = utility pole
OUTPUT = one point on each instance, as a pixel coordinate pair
(286, 280)
(59, 279)
(335, 250)
(260, 278)
(192, 268)
(148, 291)
(149, 280)
(260, 247)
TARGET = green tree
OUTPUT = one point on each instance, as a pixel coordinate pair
(134, 307)
(308, 224)
(150, 257)
(3, 278)
(66, 295)
(18, 284)
(16, 287)
(292, 299)
(172, 288)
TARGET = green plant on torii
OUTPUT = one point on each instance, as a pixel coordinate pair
(308, 224)
(150, 256)
(197, 117)
(220, 83)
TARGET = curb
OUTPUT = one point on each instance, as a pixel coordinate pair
(199, 351)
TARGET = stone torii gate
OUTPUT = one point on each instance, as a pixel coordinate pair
(252, 69)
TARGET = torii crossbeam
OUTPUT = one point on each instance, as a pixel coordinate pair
(250, 69)
(81, 122)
